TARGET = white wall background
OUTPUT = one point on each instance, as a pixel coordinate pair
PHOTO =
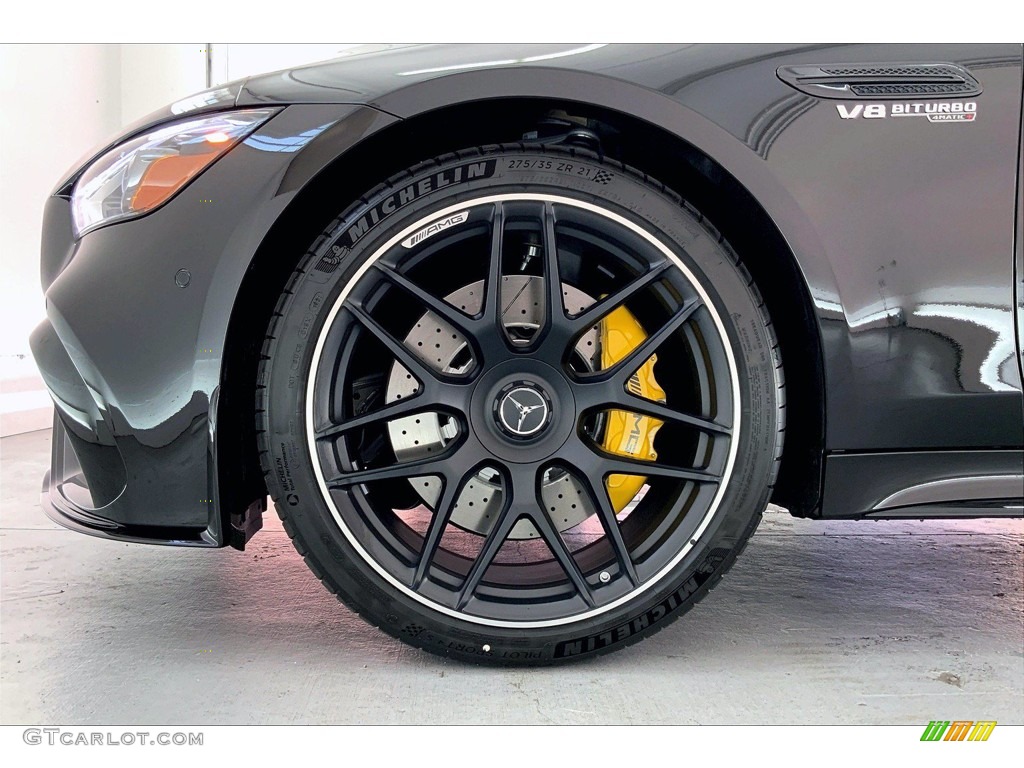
(152, 76)
(58, 103)
(232, 61)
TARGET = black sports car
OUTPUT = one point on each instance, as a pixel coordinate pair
(522, 340)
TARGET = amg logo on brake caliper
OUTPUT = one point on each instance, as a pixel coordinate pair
(626, 433)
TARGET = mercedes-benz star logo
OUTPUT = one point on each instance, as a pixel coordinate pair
(523, 411)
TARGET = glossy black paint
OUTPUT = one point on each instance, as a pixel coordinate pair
(902, 232)
(848, 495)
(142, 357)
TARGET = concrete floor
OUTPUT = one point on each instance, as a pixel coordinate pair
(817, 623)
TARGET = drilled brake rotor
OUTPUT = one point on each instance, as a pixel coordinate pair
(442, 346)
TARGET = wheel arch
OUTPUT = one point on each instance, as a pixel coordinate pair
(651, 132)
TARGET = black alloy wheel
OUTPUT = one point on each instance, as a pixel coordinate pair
(520, 405)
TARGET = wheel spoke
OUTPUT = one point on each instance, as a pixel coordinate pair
(396, 347)
(554, 309)
(558, 548)
(624, 368)
(624, 465)
(606, 514)
(503, 526)
(430, 465)
(492, 309)
(630, 403)
(461, 322)
(590, 461)
(521, 501)
(659, 411)
(410, 406)
(597, 312)
(442, 514)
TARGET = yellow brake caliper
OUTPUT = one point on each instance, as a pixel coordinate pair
(629, 434)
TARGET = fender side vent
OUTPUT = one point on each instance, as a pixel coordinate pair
(917, 89)
(882, 81)
(930, 70)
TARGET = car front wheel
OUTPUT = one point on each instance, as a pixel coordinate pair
(520, 404)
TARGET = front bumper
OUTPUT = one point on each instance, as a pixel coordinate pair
(133, 357)
(111, 485)
(68, 500)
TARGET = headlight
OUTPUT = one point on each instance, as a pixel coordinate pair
(147, 171)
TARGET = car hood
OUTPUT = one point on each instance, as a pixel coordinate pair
(366, 74)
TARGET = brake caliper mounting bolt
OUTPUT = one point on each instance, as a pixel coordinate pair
(531, 252)
(605, 577)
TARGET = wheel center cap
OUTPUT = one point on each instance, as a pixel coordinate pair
(522, 410)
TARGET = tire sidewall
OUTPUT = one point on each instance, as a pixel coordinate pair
(336, 258)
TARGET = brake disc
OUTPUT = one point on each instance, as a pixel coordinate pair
(440, 345)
